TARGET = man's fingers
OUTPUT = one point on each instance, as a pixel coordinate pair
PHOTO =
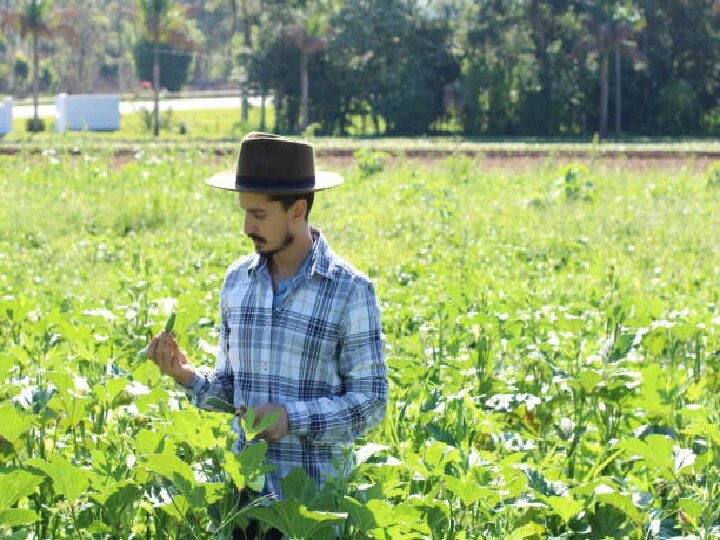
(152, 349)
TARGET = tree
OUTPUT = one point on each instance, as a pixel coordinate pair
(309, 35)
(610, 33)
(35, 20)
(165, 26)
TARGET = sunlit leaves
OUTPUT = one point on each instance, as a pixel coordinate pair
(68, 480)
(14, 486)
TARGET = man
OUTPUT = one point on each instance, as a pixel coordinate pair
(300, 331)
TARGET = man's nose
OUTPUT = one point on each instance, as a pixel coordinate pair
(249, 226)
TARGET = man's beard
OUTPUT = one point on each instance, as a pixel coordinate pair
(287, 242)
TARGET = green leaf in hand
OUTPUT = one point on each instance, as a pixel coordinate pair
(168, 328)
(253, 429)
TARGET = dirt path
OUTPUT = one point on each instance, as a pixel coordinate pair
(510, 159)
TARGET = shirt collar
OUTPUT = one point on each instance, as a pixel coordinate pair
(320, 257)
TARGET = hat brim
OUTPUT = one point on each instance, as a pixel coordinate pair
(226, 180)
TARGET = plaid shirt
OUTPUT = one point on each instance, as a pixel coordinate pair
(320, 353)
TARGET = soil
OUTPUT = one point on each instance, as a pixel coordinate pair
(513, 160)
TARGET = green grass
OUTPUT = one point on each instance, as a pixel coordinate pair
(213, 124)
(553, 338)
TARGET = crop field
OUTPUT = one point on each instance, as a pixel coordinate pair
(553, 343)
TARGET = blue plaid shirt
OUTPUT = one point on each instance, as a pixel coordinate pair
(319, 352)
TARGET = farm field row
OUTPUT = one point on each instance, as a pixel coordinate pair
(553, 339)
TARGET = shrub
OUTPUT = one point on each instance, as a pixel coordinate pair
(713, 175)
(575, 183)
(35, 125)
(370, 162)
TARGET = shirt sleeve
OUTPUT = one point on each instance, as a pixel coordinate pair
(218, 383)
(361, 364)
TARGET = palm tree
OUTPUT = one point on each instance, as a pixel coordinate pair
(610, 35)
(307, 44)
(34, 19)
(154, 14)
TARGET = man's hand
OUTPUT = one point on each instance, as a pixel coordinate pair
(279, 429)
(166, 355)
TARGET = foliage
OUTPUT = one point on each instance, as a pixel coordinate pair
(713, 175)
(554, 369)
(480, 68)
(174, 64)
(370, 162)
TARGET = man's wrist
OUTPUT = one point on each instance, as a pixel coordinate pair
(186, 377)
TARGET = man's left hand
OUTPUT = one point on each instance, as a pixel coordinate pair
(279, 429)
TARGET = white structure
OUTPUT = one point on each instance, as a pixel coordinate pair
(6, 117)
(87, 112)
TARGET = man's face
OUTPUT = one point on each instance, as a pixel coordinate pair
(266, 223)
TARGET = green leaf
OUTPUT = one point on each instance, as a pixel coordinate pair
(299, 486)
(248, 466)
(177, 508)
(13, 424)
(294, 519)
(18, 516)
(149, 442)
(526, 531)
(16, 485)
(68, 480)
(359, 515)
(656, 450)
(171, 467)
(623, 503)
(469, 492)
(589, 379)
(6, 364)
(251, 429)
(565, 507)
(189, 427)
(692, 509)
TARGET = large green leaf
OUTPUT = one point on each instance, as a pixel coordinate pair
(469, 492)
(68, 480)
(171, 467)
(18, 516)
(565, 507)
(249, 466)
(13, 424)
(16, 485)
(401, 521)
(360, 516)
(294, 519)
(188, 426)
(656, 450)
(299, 486)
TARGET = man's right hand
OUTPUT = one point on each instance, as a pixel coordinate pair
(168, 357)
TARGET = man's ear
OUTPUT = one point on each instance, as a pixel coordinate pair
(299, 209)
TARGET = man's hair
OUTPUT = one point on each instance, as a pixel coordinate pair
(289, 199)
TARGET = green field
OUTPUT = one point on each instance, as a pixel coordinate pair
(553, 339)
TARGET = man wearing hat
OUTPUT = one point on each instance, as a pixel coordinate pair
(300, 330)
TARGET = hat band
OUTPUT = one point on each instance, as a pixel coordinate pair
(274, 184)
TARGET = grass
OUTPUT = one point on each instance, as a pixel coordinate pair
(210, 124)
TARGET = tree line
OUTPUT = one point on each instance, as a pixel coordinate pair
(472, 67)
